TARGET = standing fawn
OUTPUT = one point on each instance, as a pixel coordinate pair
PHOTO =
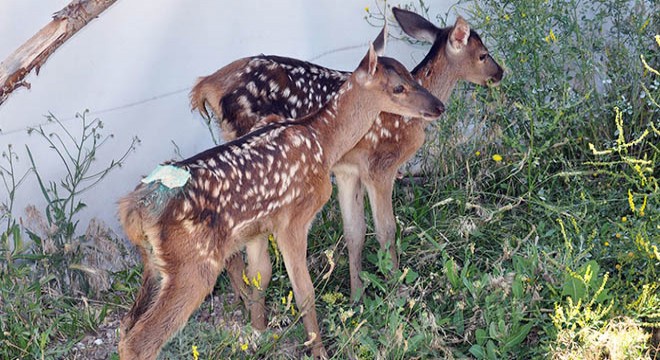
(188, 217)
(248, 89)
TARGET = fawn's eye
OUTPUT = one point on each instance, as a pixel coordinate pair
(398, 89)
(483, 57)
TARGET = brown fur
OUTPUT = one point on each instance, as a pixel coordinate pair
(274, 179)
(206, 91)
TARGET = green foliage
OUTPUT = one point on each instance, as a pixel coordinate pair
(43, 313)
(533, 232)
(60, 246)
(517, 162)
(586, 298)
(647, 306)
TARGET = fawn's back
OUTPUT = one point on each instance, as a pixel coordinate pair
(247, 90)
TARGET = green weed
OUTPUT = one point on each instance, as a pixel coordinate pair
(45, 281)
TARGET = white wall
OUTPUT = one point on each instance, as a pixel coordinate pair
(137, 50)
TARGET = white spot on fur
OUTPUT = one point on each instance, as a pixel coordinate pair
(252, 88)
(273, 86)
(371, 136)
(293, 99)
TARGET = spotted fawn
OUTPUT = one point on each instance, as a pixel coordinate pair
(188, 217)
(248, 89)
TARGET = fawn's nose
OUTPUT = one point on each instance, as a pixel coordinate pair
(495, 80)
(435, 113)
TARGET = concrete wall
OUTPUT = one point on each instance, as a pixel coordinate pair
(140, 50)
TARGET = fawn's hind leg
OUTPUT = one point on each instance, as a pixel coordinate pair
(235, 267)
(183, 287)
(259, 272)
(148, 290)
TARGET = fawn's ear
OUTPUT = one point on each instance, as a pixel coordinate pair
(373, 60)
(415, 25)
(365, 72)
(458, 38)
(381, 40)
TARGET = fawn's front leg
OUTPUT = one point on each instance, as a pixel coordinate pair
(351, 202)
(380, 188)
(292, 242)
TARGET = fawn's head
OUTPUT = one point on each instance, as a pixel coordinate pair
(394, 88)
(458, 48)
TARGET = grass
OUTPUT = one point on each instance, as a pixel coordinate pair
(534, 235)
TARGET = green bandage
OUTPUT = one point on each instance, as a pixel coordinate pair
(168, 175)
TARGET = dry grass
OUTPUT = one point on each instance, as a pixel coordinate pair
(620, 339)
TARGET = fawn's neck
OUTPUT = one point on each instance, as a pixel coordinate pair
(437, 76)
(344, 121)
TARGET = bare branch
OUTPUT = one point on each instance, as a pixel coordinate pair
(34, 53)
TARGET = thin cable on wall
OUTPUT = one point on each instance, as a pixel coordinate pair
(164, 95)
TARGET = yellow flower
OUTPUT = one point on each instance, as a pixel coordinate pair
(245, 279)
(617, 266)
(273, 244)
(477, 153)
(643, 207)
(624, 219)
(631, 201)
(497, 157)
(244, 347)
(618, 235)
(551, 37)
(287, 301)
(195, 353)
(256, 281)
(630, 254)
(366, 9)
(276, 337)
(506, 17)
(607, 243)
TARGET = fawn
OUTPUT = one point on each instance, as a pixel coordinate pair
(248, 89)
(188, 217)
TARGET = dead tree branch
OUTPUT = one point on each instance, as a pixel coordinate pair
(34, 53)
